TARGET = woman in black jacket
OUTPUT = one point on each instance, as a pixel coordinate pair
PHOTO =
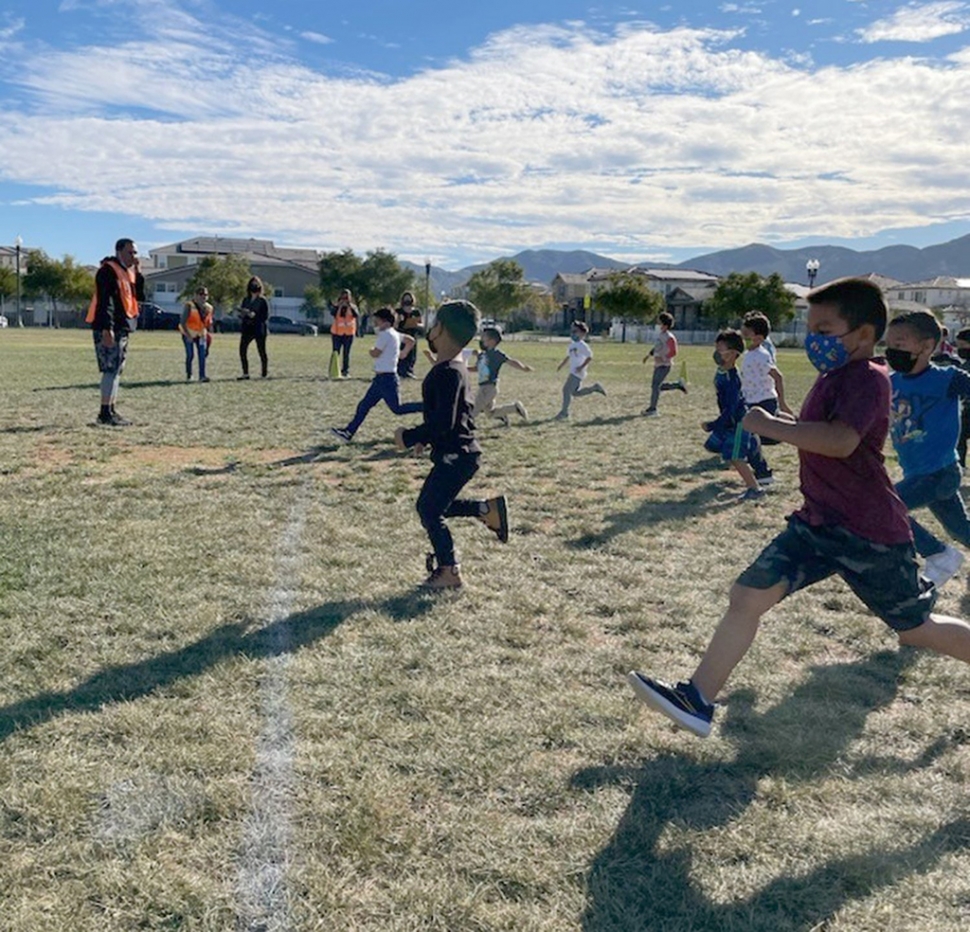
(254, 314)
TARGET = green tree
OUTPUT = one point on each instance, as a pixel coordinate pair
(59, 280)
(8, 283)
(498, 288)
(742, 292)
(314, 302)
(339, 270)
(629, 298)
(224, 278)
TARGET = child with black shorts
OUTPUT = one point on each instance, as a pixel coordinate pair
(851, 523)
(449, 430)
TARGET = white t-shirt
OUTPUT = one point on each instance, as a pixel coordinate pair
(664, 349)
(756, 380)
(579, 352)
(389, 343)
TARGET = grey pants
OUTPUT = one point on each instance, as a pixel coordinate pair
(573, 387)
(659, 385)
(485, 402)
(111, 363)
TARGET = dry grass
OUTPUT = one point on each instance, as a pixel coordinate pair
(469, 762)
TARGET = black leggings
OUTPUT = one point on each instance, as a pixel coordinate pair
(343, 343)
(244, 342)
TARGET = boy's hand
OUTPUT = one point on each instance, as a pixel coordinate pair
(706, 425)
(399, 440)
(787, 417)
(756, 420)
(786, 410)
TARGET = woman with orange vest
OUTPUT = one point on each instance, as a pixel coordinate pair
(112, 314)
(196, 328)
(344, 328)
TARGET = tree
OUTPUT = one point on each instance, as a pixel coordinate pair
(498, 287)
(629, 298)
(314, 302)
(224, 278)
(8, 283)
(741, 292)
(377, 279)
(56, 279)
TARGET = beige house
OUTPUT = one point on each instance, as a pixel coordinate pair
(287, 271)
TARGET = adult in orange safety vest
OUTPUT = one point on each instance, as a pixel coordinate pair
(196, 327)
(344, 328)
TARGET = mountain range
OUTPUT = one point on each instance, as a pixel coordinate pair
(903, 263)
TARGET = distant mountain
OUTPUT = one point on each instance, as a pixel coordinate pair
(904, 263)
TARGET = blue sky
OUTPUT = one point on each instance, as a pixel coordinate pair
(460, 132)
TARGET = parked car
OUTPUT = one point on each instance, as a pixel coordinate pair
(153, 317)
(228, 324)
(278, 324)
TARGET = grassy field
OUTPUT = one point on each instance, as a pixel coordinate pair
(224, 704)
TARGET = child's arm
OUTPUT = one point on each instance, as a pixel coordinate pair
(521, 366)
(562, 364)
(374, 353)
(827, 438)
(779, 381)
(584, 363)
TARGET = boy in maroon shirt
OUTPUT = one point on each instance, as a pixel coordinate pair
(852, 521)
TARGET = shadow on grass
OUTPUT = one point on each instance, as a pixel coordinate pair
(654, 513)
(128, 682)
(634, 883)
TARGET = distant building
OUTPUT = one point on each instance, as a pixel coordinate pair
(288, 271)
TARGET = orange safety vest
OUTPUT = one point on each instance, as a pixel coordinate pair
(199, 321)
(344, 322)
(126, 290)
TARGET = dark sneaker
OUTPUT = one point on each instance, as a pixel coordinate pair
(444, 577)
(242, 378)
(651, 412)
(599, 388)
(752, 495)
(116, 420)
(344, 436)
(682, 703)
(682, 385)
(497, 518)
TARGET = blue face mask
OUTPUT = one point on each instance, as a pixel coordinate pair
(575, 337)
(826, 351)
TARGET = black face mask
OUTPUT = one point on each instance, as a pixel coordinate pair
(900, 360)
(718, 358)
(963, 353)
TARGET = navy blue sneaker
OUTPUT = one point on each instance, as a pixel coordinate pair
(681, 703)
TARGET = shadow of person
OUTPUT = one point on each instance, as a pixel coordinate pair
(635, 883)
(126, 682)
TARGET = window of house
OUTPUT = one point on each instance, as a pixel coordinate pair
(278, 293)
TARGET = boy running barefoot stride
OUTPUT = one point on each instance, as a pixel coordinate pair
(851, 523)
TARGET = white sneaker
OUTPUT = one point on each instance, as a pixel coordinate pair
(765, 481)
(520, 410)
(941, 567)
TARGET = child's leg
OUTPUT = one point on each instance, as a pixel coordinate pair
(437, 499)
(659, 374)
(391, 391)
(940, 633)
(734, 635)
(568, 390)
(485, 400)
(757, 461)
(506, 410)
(949, 507)
(918, 492)
(746, 473)
(371, 397)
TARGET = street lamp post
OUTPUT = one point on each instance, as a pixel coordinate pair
(811, 267)
(427, 284)
(18, 243)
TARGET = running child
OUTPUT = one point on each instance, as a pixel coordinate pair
(449, 430)
(663, 353)
(488, 362)
(764, 385)
(851, 523)
(735, 445)
(925, 429)
(390, 346)
(578, 356)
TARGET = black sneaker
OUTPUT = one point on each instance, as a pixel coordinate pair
(681, 703)
(344, 436)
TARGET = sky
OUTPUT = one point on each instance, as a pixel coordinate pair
(460, 132)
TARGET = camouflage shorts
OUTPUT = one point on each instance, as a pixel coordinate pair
(110, 359)
(884, 576)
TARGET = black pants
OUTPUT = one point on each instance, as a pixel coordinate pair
(405, 366)
(439, 500)
(245, 340)
(341, 344)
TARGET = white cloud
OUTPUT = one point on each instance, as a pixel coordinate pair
(919, 23)
(12, 27)
(654, 140)
(317, 37)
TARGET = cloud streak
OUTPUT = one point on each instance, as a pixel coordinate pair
(554, 135)
(919, 23)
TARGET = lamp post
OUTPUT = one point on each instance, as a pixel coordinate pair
(18, 242)
(427, 283)
(811, 267)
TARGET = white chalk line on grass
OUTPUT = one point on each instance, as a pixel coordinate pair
(262, 901)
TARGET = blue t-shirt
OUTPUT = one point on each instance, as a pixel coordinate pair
(926, 418)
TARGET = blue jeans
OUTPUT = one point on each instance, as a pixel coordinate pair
(191, 345)
(940, 492)
(386, 387)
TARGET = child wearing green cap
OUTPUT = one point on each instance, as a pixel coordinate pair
(449, 430)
